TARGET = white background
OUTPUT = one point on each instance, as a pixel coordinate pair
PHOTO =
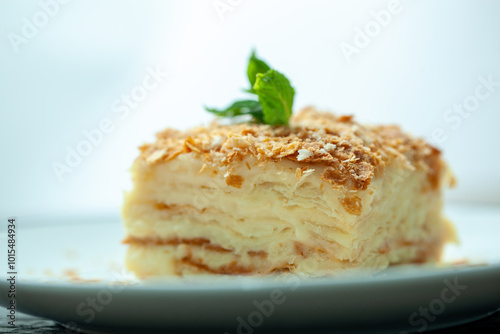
(64, 80)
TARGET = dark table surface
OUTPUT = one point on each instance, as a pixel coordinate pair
(31, 325)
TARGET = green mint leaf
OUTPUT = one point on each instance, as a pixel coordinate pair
(244, 107)
(276, 97)
(273, 90)
(255, 66)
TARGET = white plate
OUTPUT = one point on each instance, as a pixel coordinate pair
(53, 249)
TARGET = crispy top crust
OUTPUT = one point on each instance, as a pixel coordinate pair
(352, 153)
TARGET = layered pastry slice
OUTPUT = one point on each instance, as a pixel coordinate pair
(323, 196)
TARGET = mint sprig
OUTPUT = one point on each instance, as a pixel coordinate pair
(274, 91)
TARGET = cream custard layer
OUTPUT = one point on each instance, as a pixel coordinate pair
(325, 197)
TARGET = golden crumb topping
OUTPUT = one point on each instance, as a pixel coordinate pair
(352, 153)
